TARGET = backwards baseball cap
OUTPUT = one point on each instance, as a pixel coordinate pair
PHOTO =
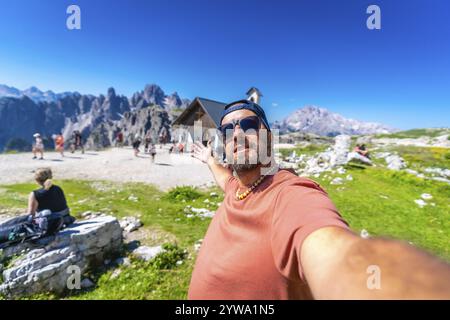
(249, 105)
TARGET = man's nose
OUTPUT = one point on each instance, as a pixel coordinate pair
(237, 131)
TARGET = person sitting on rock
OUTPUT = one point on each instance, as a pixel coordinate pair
(49, 197)
(362, 150)
(47, 213)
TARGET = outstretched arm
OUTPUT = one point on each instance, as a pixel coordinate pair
(32, 204)
(220, 173)
(338, 264)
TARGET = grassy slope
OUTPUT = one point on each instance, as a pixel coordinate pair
(382, 202)
(415, 133)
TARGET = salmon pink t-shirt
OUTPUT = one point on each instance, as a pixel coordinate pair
(251, 250)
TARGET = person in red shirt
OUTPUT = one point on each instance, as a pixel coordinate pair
(119, 139)
(279, 236)
(59, 144)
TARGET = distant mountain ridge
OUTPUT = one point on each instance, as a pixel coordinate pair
(33, 93)
(320, 121)
(23, 113)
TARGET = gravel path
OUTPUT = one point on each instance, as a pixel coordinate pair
(119, 165)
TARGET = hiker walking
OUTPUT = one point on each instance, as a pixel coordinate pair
(162, 138)
(59, 144)
(173, 148)
(136, 144)
(285, 239)
(152, 151)
(77, 142)
(38, 146)
(148, 141)
(119, 139)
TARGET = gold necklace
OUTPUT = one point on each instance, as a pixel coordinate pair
(244, 195)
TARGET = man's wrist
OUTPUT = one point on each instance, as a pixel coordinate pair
(211, 161)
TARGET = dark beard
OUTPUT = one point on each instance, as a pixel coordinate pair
(244, 167)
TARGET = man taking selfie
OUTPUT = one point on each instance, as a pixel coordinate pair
(279, 236)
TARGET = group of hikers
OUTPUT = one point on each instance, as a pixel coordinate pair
(76, 143)
(149, 145)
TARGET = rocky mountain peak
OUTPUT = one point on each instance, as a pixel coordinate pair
(321, 121)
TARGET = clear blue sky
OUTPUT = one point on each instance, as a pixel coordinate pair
(296, 52)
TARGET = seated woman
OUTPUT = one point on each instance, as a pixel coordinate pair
(48, 197)
(47, 209)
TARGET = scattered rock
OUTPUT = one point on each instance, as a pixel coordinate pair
(349, 177)
(133, 198)
(123, 261)
(147, 253)
(420, 203)
(395, 162)
(87, 283)
(203, 213)
(426, 196)
(130, 224)
(116, 273)
(330, 159)
(439, 172)
(198, 245)
(82, 245)
(86, 214)
(356, 157)
(411, 171)
(337, 181)
(341, 170)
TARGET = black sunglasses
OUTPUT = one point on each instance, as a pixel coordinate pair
(252, 122)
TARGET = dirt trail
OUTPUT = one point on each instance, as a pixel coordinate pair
(119, 165)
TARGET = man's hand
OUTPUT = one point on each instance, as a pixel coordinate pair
(201, 152)
(220, 173)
